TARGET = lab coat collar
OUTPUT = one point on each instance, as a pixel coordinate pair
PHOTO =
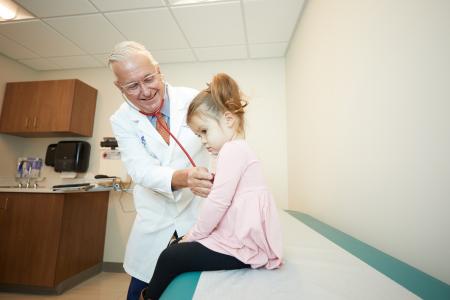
(176, 119)
(176, 115)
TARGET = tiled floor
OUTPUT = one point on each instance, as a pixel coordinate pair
(104, 286)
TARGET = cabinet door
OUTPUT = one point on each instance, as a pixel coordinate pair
(30, 226)
(19, 105)
(82, 233)
(48, 108)
(53, 112)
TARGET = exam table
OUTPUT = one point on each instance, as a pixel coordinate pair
(320, 262)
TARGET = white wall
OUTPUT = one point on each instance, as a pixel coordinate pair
(262, 80)
(368, 102)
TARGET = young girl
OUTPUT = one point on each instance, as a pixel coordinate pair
(237, 226)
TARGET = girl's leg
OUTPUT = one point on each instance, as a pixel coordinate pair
(187, 257)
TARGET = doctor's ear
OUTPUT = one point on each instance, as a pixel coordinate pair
(116, 83)
(161, 75)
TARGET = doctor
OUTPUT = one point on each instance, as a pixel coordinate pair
(167, 191)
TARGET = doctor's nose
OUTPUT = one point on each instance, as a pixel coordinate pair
(145, 90)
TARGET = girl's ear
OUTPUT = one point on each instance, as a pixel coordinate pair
(230, 119)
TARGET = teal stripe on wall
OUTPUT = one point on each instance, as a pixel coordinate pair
(418, 282)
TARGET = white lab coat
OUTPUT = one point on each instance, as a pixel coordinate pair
(151, 162)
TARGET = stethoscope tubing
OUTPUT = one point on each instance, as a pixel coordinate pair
(167, 130)
(178, 142)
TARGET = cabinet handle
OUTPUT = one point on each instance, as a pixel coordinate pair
(4, 205)
(27, 121)
(35, 122)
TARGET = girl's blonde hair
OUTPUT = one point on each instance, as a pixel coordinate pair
(221, 95)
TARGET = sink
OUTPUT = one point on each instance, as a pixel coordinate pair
(21, 188)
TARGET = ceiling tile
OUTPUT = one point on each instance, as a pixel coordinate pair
(50, 8)
(40, 64)
(267, 50)
(109, 5)
(75, 62)
(221, 53)
(267, 21)
(173, 56)
(102, 35)
(155, 28)
(14, 50)
(73, 33)
(40, 37)
(215, 24)
(102, 58)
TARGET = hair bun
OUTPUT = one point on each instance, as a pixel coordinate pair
(221, 95)
(224, 89)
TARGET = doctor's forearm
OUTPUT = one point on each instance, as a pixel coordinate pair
(180, 179)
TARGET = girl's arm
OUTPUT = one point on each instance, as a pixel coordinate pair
(231, 163)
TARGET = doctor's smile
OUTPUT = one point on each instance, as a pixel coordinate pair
(140, 82)
(150, 98)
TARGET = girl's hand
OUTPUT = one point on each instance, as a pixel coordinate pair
(185, 238)
(175, 241)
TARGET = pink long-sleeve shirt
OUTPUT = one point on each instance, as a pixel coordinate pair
(239, 217)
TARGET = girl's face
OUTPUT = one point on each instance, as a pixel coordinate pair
(213, 134)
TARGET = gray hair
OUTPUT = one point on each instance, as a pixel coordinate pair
(125, 49)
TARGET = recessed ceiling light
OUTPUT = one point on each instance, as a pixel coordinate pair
(183, 2)
(10, 11)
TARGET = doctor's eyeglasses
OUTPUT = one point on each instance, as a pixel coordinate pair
(149, 81)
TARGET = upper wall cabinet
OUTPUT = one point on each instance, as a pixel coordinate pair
(48, 108)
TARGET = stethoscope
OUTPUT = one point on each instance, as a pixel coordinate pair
(158, 116)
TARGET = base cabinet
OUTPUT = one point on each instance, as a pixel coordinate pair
(48, 238)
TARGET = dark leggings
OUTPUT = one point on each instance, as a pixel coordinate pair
(187, 257)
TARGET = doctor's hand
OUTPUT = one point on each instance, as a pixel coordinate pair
(197, 179)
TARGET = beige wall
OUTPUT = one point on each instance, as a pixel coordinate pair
(9, 145)
(262, 80)
(368, 102)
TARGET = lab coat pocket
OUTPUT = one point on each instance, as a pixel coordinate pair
(153, 147)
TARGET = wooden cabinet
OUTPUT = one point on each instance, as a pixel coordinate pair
(48, 108)
(48, 239)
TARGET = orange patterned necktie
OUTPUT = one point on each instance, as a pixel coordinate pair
(161, 127)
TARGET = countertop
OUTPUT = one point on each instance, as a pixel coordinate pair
(50, 190)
